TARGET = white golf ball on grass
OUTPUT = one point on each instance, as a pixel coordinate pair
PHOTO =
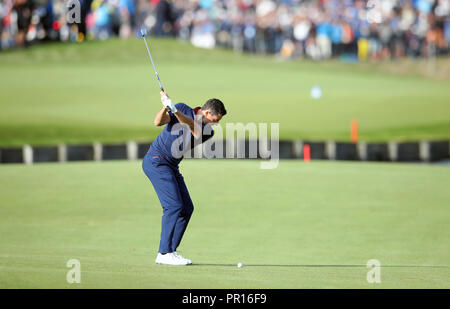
(316, 92)
(239, 265)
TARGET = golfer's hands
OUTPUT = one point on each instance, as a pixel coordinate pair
(167, 102)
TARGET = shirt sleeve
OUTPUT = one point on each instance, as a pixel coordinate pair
(173, 119)
(185, 109)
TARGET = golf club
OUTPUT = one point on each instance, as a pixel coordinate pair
(143, 33)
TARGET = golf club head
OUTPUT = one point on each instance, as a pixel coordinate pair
(142, 32)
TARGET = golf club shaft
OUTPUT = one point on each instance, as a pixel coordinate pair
(151, 59)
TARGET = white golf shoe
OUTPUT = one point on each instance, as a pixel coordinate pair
(182, 258)
(170, 259)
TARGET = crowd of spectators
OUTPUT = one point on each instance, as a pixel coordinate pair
(317, 29)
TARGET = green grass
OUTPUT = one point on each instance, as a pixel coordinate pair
(106, 91)
(298, 226)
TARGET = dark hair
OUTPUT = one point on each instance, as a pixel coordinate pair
(215, 106)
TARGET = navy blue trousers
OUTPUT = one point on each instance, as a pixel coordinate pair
(174, 198)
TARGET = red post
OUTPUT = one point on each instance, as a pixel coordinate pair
(354, 131)
(306, 153)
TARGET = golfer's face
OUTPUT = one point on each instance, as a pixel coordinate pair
(212, 119)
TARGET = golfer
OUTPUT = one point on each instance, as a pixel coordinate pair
(161, 162)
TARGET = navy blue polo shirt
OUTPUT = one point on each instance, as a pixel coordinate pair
(172, 133)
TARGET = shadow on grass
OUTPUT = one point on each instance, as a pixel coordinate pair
(319, 266)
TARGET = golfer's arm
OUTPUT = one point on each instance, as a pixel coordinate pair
(162, 117)
(182, 118)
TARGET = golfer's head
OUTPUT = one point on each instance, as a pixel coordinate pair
(213, 110)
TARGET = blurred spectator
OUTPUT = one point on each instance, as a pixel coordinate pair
(317, 29)
(23, 9)
(165, 18)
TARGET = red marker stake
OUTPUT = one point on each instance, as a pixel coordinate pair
(354, 131)
(306, 153)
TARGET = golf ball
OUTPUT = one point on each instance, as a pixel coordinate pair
(239, 265)
(316, 92)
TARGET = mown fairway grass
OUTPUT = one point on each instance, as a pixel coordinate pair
(106, 91)
(298, 226)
